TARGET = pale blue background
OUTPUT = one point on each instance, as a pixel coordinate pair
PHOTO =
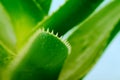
(108, 67)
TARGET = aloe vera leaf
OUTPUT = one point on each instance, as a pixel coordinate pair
(7, 35)
(45, 5)
(6, 56)
(69, 15)
(114, 32)
(112, 35)
(41, 59)
(25, 14)
(89, 40)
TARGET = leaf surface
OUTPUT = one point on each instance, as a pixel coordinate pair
(6, 56)
(44, 4)
(41, 59)
(7, 34)
(89, 40)
(69, 15)
(25, 14)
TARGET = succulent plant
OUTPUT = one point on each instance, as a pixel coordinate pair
(65, 45)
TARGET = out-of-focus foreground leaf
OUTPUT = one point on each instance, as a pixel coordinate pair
(112, 35)
(5, 57)
(89, 40)
(7, 35)
(44, 4)
(69, 15)
(41, 59)
(25, 14)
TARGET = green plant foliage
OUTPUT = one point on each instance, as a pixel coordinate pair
(28, 52)
(41, 59)
(6, 56)
(69, 15)
(25, 14)
(7, 35)
(89, 40)
(114, 32)
(44, 4)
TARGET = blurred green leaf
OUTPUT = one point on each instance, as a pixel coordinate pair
(69, 15)
(43, 53)
(89, 40)
(39, 59)
(6, 56)
(114, 32)
(112, 35)
(7, 35)
(25, 14)
(44, 4)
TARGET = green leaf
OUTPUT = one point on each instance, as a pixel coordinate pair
(89, 40)
(25, 14)
(69, 15)
(114, 32)
(6, 56)
(41, 59)
(7, 35)
(44, 5)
